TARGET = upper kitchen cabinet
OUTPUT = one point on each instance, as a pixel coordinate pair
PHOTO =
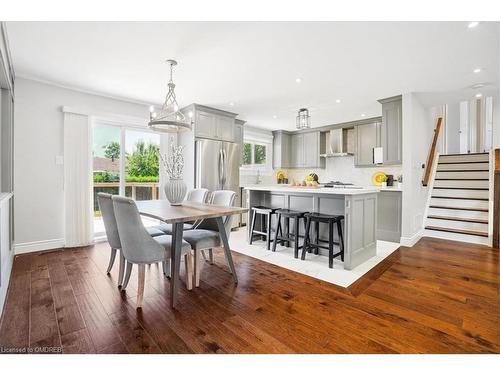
(367, 137)
(212, 123)
(281, 149)
(391, 131)
(297, 150)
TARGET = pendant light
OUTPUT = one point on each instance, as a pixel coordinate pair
(303, 119)
(168, 119)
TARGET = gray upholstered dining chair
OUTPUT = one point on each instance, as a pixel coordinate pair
(194, 195)
(206, 235)
(108, 216)
(138, 247)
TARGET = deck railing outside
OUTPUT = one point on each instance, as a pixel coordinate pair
(134, 190)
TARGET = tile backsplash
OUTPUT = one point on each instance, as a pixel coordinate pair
(337, 169)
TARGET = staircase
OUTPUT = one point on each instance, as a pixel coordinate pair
(459, 203)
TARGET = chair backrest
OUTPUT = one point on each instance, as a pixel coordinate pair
(220, 198)
(108, 217)
(197, 195)
(137, 244)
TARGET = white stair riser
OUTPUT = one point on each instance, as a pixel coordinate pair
(456, 237)
(472, 166)
(458, 213)
(464, 157)
(461, 193)
(459, 203)
(457, 225)
(463, 175)
(461, 184)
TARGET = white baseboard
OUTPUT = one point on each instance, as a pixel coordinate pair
(30, 247)
(411, 241)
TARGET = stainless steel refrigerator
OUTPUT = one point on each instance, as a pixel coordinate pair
(217, 166)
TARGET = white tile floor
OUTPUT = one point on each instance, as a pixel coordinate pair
(315, 265)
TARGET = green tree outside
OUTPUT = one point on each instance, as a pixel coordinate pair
(112, 150)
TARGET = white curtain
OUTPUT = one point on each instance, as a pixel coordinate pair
(78, 194)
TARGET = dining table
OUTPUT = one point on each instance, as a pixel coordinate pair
(188, 212)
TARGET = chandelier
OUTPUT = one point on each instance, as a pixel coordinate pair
(303, 119)
(168, 119)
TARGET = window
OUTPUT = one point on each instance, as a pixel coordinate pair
(254, 154)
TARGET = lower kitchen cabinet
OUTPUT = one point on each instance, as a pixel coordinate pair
(389, 216)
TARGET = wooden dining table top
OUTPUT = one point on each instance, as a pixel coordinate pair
(161, 209)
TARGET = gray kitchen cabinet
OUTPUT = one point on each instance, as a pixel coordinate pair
(297, 151)
(389, 205)
(225, 128)
(212, 123)
(392, 120)
(281, 149)
(312, 150)
(238, 135)
(367, 138)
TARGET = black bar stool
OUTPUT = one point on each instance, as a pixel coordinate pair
(331, 220)
(265, 230)
(294, 237)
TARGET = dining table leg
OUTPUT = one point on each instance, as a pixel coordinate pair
(177, 232)
(227, 249)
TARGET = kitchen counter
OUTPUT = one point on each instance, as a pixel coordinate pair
(358, 206)
(321, 190)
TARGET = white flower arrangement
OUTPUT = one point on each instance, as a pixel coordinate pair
(174, 162)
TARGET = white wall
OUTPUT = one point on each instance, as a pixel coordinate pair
(417, 136)
(38, 182)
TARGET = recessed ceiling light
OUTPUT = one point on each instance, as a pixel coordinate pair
(479, 95)
(231, 104)
(472, 24)
(337, 101)
(477, 70)
(275, 117)
(298, 80)
(363, 115)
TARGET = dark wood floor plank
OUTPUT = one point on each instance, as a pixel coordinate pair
(436, 297)
(44, 330)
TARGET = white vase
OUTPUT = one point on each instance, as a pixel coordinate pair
(175, 190)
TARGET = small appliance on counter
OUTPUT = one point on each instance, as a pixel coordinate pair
(281, 178)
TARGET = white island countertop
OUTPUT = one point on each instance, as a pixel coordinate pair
(321, 190)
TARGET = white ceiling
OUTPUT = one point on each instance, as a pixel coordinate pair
(254, 65)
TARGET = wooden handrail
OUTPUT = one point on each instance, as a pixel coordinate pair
(496, 200)
(432, 153)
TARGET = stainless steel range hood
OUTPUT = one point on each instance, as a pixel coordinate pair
(339, 142)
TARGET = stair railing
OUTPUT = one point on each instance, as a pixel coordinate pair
(432, 153)
(496, 199)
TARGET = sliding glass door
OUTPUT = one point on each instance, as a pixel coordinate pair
(126, 162)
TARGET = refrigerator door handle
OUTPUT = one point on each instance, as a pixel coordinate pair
(221, 169)
(224, 167)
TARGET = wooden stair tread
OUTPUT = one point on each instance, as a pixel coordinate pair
(460, 231)
(467, 199)
(468, 154)
(460, 208)
(455, 218)
(462, 179)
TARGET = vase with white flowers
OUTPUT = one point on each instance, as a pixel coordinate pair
(175, 188)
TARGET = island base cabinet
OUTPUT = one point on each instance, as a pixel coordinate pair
(389, 216)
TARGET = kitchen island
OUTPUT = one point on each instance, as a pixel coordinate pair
(359, 207)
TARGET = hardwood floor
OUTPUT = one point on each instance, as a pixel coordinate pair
(436, 297)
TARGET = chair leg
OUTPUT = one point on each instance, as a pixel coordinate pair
(111, 260)
(316, 227)
(341, 240)
(166, 268)
(268, 231)
(188, 260)
(287, 231)
(197, 270)
(122, 269)
(252, 226)
(296, 237)
(276, 231)
(330, 244)
(128, 271)
(211, 256)
(305, 247)
(140, 287)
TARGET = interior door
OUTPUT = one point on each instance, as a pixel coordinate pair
(208, 164)
(464, 127)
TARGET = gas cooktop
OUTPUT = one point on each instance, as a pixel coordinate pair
(341, 185)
